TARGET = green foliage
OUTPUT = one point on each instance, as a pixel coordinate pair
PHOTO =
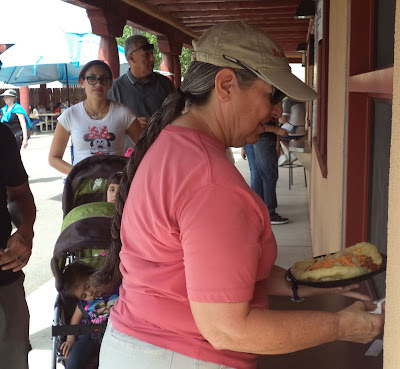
(185, 57)
(126, 33)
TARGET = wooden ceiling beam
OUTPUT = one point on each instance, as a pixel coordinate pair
(260, 21)
(164, 17)
(228, 13)
(267, 3)
(227, 6)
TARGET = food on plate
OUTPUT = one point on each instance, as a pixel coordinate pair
(351, 262)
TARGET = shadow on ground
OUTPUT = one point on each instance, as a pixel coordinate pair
(44, 180)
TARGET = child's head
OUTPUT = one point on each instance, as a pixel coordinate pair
(76, 281)
(113, 182)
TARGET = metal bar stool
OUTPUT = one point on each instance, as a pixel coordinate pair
(296, 145)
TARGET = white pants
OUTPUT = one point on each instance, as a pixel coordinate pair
(119, 350)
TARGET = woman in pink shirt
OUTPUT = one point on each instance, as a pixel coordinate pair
(192, 242)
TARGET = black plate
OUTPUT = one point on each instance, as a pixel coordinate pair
(340, 282)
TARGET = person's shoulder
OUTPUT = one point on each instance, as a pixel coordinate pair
(8, 143)
(118, 106)
(119, 79)
(162, 78)
(71, 111)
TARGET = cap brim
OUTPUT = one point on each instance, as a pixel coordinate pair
(288, 83)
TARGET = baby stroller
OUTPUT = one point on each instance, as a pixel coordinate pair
(85, 236)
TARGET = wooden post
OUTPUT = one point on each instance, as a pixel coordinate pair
(109, 53)
(167, 65)
(43, 95)
(107, 25)
(177, 71)
(171, 49)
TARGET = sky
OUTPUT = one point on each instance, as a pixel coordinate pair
(39, 17)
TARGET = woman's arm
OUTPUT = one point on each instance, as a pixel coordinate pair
(277, 130)
(278, 286)
(238, 327)
(136, 128)
(22, 122)
(57, 149)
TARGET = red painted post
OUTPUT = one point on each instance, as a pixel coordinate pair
(108, 52)
(177, 71)
(167, 65)
(24, 98)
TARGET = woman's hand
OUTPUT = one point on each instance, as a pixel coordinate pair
(142, 121)
(282, 132)
(356, 324)
(25, 142)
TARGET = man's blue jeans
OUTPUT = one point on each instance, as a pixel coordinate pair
(263, 163)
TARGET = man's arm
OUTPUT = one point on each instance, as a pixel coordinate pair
(22, 209)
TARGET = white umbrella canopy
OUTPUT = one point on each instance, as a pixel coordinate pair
(57, 58)
(21, 18)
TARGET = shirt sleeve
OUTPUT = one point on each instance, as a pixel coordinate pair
(15, 171)
(220, 231)
(65, 119)
(129, 117)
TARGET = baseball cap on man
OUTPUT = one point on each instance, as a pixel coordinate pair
(239, 45)
(10, 92)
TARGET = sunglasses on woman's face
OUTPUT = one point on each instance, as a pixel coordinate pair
(92, 80)
(276, 95)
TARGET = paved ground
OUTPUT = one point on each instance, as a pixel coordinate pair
(46, 183)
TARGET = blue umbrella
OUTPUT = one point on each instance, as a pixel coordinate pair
(57, 57)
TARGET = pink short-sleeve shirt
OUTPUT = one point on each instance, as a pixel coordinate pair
(192, 230)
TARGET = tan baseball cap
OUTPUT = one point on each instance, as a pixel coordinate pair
(254, 49)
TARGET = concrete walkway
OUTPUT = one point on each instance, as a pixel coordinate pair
(293, 239)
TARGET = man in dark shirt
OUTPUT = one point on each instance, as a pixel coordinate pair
(16, 206)
(140, 89)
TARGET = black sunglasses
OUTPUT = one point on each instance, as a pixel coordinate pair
(276, 95)
(92, 80)
(144, 47)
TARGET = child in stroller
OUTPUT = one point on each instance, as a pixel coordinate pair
(85, 237)
(91, 307)
(112, 186)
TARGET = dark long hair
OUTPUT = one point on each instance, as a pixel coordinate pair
(195, 91)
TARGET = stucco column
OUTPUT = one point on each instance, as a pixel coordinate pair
(171, 49)
(392, 323)
(107, 25)
(24, 98)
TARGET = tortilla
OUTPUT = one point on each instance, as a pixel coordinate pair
(351, 262)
